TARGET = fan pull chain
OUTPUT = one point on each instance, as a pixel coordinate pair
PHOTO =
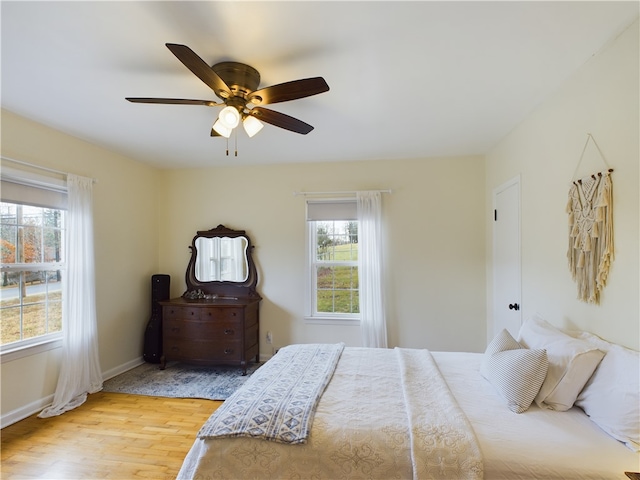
(235, 139)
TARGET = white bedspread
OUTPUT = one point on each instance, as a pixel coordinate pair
(362, 429)
(537, 444)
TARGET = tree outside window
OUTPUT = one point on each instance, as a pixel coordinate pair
(32, 264)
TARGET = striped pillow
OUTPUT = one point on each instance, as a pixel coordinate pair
(516, 373)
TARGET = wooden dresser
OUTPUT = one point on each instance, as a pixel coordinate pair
(216, 321)
(211, 332)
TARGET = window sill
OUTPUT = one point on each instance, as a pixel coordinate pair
(355, 322)
(9, 354)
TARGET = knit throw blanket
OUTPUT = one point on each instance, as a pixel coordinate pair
(278, 401)
(590, 209)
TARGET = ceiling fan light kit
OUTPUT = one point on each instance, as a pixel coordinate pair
(236, 84)
(229, 117)
(221, 129)
(252, 125)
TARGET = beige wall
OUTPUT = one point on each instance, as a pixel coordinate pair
(145, 220)
(434, 244)
(126, 249)
(601, 99)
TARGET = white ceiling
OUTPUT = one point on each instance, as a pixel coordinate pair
(408, 79)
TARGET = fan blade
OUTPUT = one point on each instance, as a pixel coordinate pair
(293, 90)
(200, 68)
(174, 101)
(281, 120)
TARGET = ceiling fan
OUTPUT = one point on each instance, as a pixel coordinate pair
(236, 84)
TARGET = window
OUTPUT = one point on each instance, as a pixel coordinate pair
(333, 260)
(32, 261)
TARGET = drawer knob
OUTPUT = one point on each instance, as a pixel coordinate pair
(228, 331)
(228, 351)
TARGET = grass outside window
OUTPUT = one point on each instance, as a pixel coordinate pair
(336, 268)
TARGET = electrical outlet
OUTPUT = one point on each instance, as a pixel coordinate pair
(269, 337)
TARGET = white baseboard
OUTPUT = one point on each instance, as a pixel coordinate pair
(264, 357)
(25, 411)
(122, 368)
(38, 405)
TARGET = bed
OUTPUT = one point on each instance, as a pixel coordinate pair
(403, 413)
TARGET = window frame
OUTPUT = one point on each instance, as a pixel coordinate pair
(57, 187)
(311, 312)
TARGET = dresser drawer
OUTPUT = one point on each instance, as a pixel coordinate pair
(204, 352)
(202, 329)
(219, 314)
(169, 313)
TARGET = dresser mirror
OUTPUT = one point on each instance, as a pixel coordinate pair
(221, 265)
(221, 259)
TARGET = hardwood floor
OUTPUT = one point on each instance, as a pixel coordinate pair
(110, 436)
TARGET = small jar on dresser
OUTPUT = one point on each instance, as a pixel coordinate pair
(216, 321)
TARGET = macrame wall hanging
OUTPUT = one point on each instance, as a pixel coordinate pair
(590, 209)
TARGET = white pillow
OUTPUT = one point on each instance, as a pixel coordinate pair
(611, 397)
(516, 373)
(571, 362)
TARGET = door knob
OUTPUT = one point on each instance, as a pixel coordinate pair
(514, 306)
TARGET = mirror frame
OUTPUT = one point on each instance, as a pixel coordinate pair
(222, 288)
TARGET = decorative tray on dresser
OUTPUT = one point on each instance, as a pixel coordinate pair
(216, 321)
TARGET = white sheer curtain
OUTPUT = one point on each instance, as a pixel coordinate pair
(80, 370)
(206, 265)
(238, 258)
(373, 323)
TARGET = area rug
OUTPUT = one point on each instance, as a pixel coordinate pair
(180, 380)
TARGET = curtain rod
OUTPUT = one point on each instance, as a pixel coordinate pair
(346, 192)
(33, 165)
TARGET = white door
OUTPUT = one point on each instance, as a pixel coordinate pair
(506, 258)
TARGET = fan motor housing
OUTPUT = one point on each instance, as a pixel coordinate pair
(242, 79)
